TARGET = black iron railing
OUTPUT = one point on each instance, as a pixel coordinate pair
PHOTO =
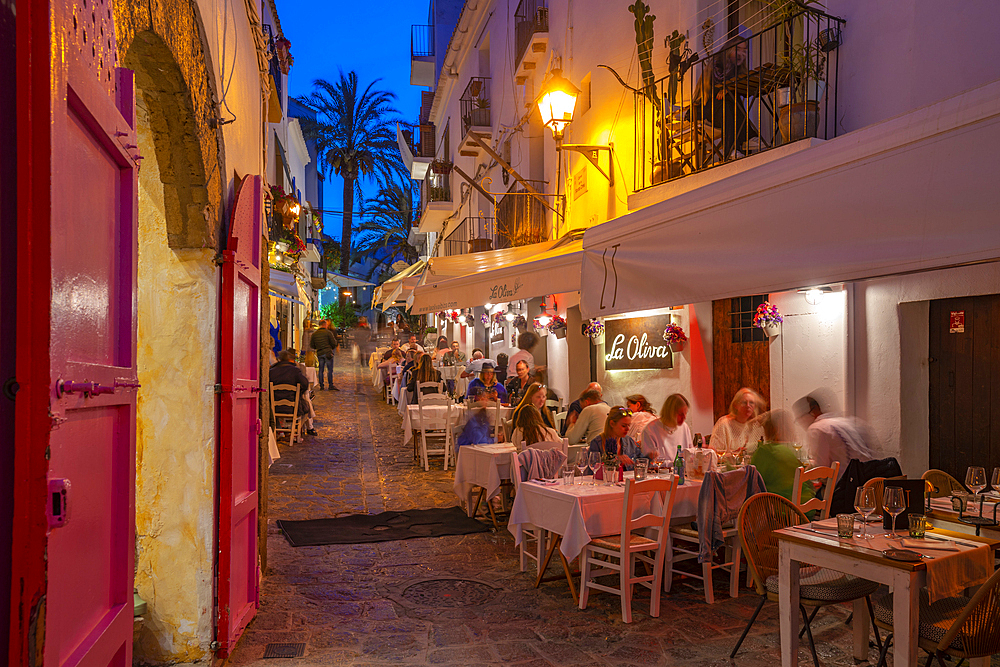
(438, 184)
(272, 53)
(520, 219)
(473, 235)
(421, 41)
(475, 104)
(420, 139)
(751, 95)
(530, 17)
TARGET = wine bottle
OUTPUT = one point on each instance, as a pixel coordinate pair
(679, 465)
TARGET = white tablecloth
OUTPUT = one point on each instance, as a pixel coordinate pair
(411, 417)
(453, 373)
(311, 375)
(582, 512)
(481, 465)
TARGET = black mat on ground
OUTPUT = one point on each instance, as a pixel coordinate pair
(384, 527)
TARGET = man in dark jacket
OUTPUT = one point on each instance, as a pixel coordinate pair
(285, 371)
(324, 341)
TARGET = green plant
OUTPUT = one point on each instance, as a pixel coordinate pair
(482, 103)
(806, 62)
(784, 10)
(341, 315)
(644, 42)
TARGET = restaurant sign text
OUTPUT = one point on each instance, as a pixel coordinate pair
(636, 343)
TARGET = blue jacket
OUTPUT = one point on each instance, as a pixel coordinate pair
(626, 446)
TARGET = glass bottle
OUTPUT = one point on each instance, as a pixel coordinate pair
(679, 465)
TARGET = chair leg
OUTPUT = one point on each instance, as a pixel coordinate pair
(625, 585)
(871, 617)
(811, 617)
(809, 632)
(668, 565)
(584, 578)
(884, 651)
(746, 630)
(734, 575)
(706, 573)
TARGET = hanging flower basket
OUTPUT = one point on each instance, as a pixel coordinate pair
(594, 329)
(677, 347)
(771, 330)
(675, 337)
(441, 167)
(768, 318)
(520, 322)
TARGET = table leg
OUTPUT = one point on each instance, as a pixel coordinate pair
(788, 606)
(474, 507)
(569, 578)
(556, 539)
(861, 628)
(905, 619)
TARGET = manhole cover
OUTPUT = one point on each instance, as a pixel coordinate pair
(449, 593)
(284, 650)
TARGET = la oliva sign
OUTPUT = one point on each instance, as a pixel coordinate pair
(636, 343)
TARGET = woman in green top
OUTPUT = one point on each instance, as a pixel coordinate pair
(775, 459)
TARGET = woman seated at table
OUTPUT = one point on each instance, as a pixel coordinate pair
(535, 396)
(740, 430)
(424, 372)
(518, 385)
(663, 436)
(395, 359)
(478, 429)
(614, 440)
(642, 414)
(487, 380)
(716, 100)
(529, 429)
(776, 460)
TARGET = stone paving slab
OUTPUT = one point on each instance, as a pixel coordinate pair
(358, 605)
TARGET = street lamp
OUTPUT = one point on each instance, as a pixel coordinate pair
(557, 102)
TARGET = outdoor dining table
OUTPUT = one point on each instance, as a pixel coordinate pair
(864, 557)
(484, 467)
(454, 373)
(411, 417)
(943, 515)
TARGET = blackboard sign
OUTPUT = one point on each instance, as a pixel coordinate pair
(636, 343)
(913, 490)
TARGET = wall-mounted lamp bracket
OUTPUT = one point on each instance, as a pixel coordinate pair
(592, 153)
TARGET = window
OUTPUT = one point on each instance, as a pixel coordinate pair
(742, 309)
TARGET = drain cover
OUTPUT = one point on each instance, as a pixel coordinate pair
(449, 593)
(284, 650)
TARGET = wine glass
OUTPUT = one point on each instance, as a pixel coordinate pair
(581, 462)
(797, 446)
(996, 481)
(864, 502)
(975, 479)
(894, 503)
(596, 463)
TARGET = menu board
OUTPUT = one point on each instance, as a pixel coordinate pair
(636, 343)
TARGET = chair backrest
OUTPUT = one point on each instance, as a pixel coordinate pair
(493, 409)
(540, 463)
(436, 419)
(979, 622)
(293, 388)
(560, 418)
(825, 474)
(508, 429)
(393, 372)
(553, 404)
(562, 443)
(941, 483)
(759, 517)
(430, 387)
(515, 471)
(658, 518)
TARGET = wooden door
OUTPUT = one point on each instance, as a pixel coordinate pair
(740, 356)
(964, 384)
(239, 353)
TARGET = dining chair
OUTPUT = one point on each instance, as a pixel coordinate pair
(618, 553)
(432, 387)
(390, 383)
(494, 409)
(824, 498)
(961, 627)
(534, 540)
(562, 443)
(292, 419)
(554, 405)
(560, 419)
(434, 427)
(878, 483)
(759, 517)
(941, 483)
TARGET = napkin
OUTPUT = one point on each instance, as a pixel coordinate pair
(936, 545)
(948, 575)
(548, 482)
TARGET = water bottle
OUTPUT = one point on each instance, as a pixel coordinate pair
(679, 465)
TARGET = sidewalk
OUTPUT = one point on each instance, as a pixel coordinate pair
(458, 600)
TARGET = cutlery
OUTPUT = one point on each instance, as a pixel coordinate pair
(949, 539)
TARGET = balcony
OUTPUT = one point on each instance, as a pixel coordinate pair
(420, 141)
(437, 204)
(786, 92)
(274, 109)
(474, 235)
(317, 274)
(422, 55)
(531, 37)
(520, 220)
(475, 108)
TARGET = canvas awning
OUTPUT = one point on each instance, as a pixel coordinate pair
(913, 193)
(344, 282)
(525, 272)
(399, 286)
(283, 283)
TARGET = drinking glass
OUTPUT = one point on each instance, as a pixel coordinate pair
(894, 503)
(975, 479)
(864, 502)
(996, 481)
(581, 463)
(595, 461)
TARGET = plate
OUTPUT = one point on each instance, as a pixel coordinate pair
(904, 555)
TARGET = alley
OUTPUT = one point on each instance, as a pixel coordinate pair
(461, 599)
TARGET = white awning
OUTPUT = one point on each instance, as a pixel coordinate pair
(343, 281)
(913, 193)
(525, 272)
(399, 286)
(283, 282)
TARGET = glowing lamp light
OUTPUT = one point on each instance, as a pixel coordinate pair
(488, 306)
(462, 318)
(544, 318)
(509, 315)
(557, 102)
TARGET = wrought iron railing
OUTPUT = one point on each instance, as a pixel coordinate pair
(531, 16)
(520, 219)
(475, 104)
(774, 88)
(421, 41)
(474, 234)
(438, 185)
(272, 53)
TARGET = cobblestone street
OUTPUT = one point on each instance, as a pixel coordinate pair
(358, 604)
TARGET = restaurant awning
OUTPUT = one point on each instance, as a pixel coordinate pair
(283, 282)
(345, 281)
(398, 287)
(525, 272)
(913, 193)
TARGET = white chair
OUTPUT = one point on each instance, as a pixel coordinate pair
(434, 427)
(553, 404)
(494, 410)
(618, 553)
(391, 383)
(560, 418)
(562, 444)
(534, 540)
(828, 475)
(292, 419)
(437, 387)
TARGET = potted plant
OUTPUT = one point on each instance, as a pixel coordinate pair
(798, 106)
(675, 337)
(442, 167)
(768, 318)
(481, 112)
(595, 329)
(558, 326)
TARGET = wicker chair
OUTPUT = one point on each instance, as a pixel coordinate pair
(759, 517)
(941, 483)
(961, 627)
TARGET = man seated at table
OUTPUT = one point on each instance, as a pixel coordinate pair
(574, 409)
(413, 344)
(454, 356)
(590, 423)
(394, 346)
(487, 380)
(477, 430)
(285, 371)
(832, 437)
(476, 355)
(775, 460)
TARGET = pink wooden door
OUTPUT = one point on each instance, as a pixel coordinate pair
(239, 352)
(91, 477)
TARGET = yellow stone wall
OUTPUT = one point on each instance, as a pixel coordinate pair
(175, 438)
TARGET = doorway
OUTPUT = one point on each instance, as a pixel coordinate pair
(740, 356)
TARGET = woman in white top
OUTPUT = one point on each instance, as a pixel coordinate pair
(741, 429)
(530, 429)
(661, 437)
(642, 414)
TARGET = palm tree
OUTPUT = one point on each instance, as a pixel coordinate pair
(355, 138)
(391, 214)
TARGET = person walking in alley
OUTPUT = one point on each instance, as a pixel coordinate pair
(324, 341)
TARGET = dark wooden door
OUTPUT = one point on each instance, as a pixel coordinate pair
(964, 414)
(740, 356)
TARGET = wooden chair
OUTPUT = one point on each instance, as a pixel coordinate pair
(494, 410)
(759, 517)
(554, 405)
(292, 419)
(435, 428)
(562, 444)
(619, 553)
(393, 375)
(436, 387)
(960, 627)
(560, 419)
(941, 483)
(878, 483)
(825, 474)
(534, 540)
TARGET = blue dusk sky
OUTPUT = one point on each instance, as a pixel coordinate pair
(371, 39)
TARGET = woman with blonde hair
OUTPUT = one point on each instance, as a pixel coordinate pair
(530, 429)
(663, 436)
(423, 372)
(741, 429)
(535, 395)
